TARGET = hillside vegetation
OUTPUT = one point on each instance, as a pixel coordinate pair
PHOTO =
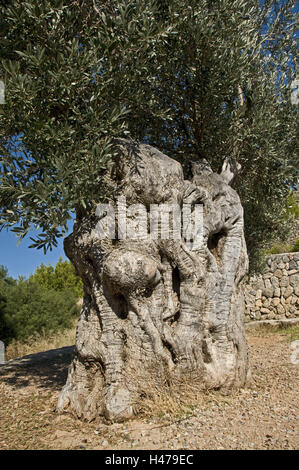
(37, 311)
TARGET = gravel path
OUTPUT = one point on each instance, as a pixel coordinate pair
(264, 416)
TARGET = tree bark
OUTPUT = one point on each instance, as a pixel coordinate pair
(158, 310)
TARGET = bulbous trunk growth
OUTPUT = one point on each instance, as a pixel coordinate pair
(164, 307)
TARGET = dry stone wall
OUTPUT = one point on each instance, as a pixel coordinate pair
(274, 295)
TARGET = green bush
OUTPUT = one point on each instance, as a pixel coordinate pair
(29, 308)
(282, 248)
(296, 245)
(60, 277)
(5, 283)
(44, 303)
(292, 210)
(279, 248)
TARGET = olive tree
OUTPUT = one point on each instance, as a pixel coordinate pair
(151, 103)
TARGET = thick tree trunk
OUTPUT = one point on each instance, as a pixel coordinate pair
(161, 309)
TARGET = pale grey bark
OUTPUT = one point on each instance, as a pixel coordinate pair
(157, 311)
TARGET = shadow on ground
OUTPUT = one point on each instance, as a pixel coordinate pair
(46, 369)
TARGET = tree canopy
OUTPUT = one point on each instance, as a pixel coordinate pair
(195, 79)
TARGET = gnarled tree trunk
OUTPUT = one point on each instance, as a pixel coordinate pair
(164, 308)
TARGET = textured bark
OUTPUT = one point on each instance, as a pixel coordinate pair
(155, 311)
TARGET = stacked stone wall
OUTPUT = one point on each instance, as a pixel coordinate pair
(274, 295)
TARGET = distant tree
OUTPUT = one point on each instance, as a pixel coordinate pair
(58, 278)
(4, 277)
(46, 302)
(5, 282)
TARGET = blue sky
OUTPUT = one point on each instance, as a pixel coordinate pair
(21, 260)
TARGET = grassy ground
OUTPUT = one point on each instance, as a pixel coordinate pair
(290, 333)
(41, 342)
(262, 416)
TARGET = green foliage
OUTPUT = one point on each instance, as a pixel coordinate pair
(282, 248)
(291, 214)
(69, 76)
(5, 283)
(31, 308)
(196, 79)
(5, 280)
(46, 302)
(279, 248)
(58, 278)
(296, 245)
(292, 211)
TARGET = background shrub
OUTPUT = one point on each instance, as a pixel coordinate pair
(43, 304)
(296, 245)
(283, 248)
(60, 277)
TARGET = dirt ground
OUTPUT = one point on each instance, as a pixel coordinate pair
(264, 416)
